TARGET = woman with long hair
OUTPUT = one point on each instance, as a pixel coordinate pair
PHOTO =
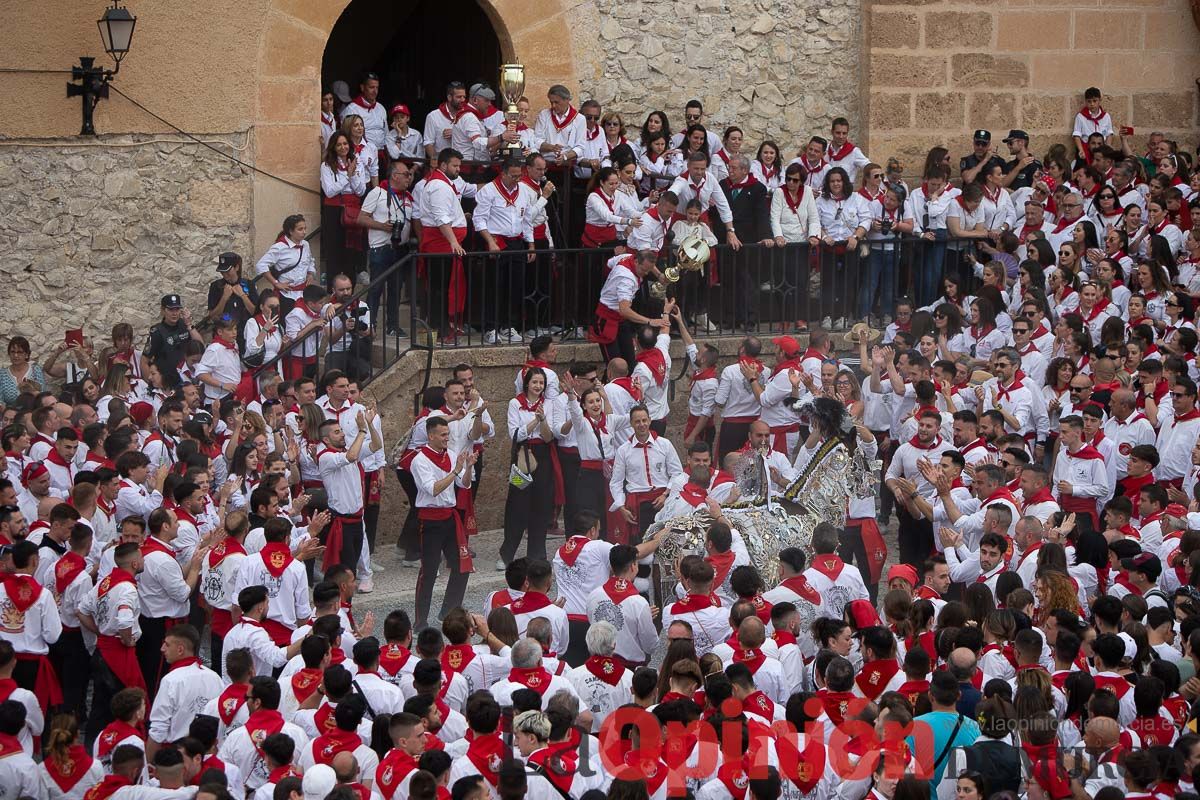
(118, 384)
(656, 123)
(288, 265)
(683, 652)
(660, 164)
(68, 770)
(1054, 591)
(795, 221)
(1151, 282)
(367, 153)
(343, 184)
(528, 510)
(731, 147)
(1056, 387)
(1063, 285)
(983, 337)
(930, 204)
(594, 424)
(889, 221)
(952, 341)
(841, 231)
(1158, 223)
(1107, 272)
(1106, 208)
(767, 166)
(695, 140)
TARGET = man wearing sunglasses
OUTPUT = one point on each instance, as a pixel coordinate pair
(1071, 209)
(693, 114)
(1177, 435)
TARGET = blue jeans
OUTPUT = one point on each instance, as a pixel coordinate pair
(380, 259)
(880, 276)
(930, 273)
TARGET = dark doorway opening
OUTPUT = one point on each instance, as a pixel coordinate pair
(415, 46)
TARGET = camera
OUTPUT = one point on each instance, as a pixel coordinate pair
(397, 233)
(885, 226)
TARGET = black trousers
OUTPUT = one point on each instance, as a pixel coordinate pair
(504, 294)
(750, 272)
(149, 650)
(371, 510)
(659, 426)
(407, 543)
(529, 511)
(105, 685)
(591, 496)
(569, 463)
(478, 475)
(887, 500)
(622, 346)
(577, 651)
(70, 658)
(216, 648)
(352, 539)
(916, 538)
(731, 438)
(852, 550)
(438, 540)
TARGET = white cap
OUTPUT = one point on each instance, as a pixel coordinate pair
(319, 780)
(1130, 648)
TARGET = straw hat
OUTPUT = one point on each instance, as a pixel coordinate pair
(860, 332)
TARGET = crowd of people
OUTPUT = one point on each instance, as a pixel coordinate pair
(830, 214)
(1037, 438)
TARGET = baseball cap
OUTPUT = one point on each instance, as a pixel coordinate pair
(482, 90)
(341, 90)
(983, 136)
(787, 344)
(227, 261)
(400, 108)
(1016, 133)
(1176, 510)
(203, 417)
(1146, 563)
(318, 781)
(904, 572)
(141, 411)
(1130, 645)
(171, 301)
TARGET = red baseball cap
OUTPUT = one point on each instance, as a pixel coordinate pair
(787, 344)
(400, 108)
(903, 571)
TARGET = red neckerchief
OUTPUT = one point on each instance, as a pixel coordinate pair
(1004, 392)
(223, 549)
(1100, 305)
(276, 557)
(304, 683)
(1089, 452)
(66, 773)
(1043, 495)
(837, 155)
(696, 187)
(228, 345)
(440, 460)
(327, 746)
(393, 658)
(66, 570)
(571, 549)
(752, 657)
(184, 662)
(1160, 226)
(758, 703)
(693, 602)
(800, 585)
(980, 442)
(695, 496)
(978, 331)
(787, 364)
(456, 657)
(605, 668)
(566, 120)
(608, 201)
(926, 592)
(116, 732)
(1189, 416)
(487, 753)
(1027, 229)
(916, 442)
(530, 602)
(559, 763)
(619, 590)
(536, 678)
(524, 404)
(874, 677)
(279, 773)
(787, 198)
(656, 362)
(629, 386)
(809, 167)
(54, 458)
(362, 102)
(438, 175)
(107, 787)
(1087, 114)
(829, 565)
(153, 545)
(754, 362)
(230, 701)
(868, 196)
(722, 563)
(23, 591)
(1063, 224)
(708, 373)
(393, 769)
(510, 197)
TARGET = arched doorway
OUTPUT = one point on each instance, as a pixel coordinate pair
(415, 46)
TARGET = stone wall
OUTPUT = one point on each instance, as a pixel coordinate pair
(939, 70)
(94, 233)
(780, 70)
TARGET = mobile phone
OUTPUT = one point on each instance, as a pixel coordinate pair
(1127, 130)
(74, 336)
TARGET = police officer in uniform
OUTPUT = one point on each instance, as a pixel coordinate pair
(232, 295)
(165, 347)
(972, 166)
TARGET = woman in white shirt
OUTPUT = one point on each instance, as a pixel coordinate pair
(264, 334)
(1158, 224)
(841, 231)
(342, 188)
(659, 164)
(529, 510)
(1106, 272)
(656, 122)
(1152, 284)
(928, 207)
(1106, 209)
(952, 341)
(730, 148)
(885, 216)
(594, 424)
(983, 337)
(602, 220)
(366, 151)
(765, 166)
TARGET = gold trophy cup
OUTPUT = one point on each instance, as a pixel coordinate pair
(512, 86)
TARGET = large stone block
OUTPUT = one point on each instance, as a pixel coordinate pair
(958, 29)
(890, 110)
(1146, 70)
(1108, 30)
(1172, 30)
(1066, 70)
(1164, 109)
(940, 110)
(1018, 31)
(994, 111)
(1045, 112)
(291, 49)
(970, 70)
(894, 30)
(287, 101)
(900, 71)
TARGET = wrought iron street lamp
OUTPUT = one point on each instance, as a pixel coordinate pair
(116, 33)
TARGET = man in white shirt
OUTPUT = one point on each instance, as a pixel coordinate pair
(642, 471)
(842, 152)
(1080, 481)
(709, 621)
(1007, 393)
(241, 747)
(916, 535)
(654, 370)
(443, 229)
(698, 184)
(283, 579)
(738, 397)
(561, 127)
(504, 218)
(602, 682)
(439, 122)
(249, 633)
(1127, 427)
(536, 602)
(164, 589)
(184, 691)
(985, 565)
(387, 214)
(617, 603)
(32, 624)
(1178, 435)
(615, 320)
(133, 497)
(373, 114)
(529, 673)
(342, 478)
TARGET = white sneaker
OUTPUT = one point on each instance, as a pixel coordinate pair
(366, 586)
(766, 286)
(414, 564)
(827, 323)
(512, 336)
(703, 324)
(491, 337)
(839, 324)
(499, 565)
(377, 567)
